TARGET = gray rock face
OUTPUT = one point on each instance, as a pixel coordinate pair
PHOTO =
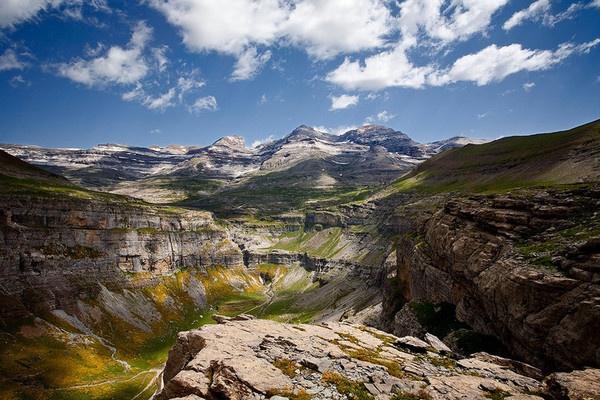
(257, 359)
(544, 305)
(53, 251)
(576, 385)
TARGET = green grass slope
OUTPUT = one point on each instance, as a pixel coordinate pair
(566, 157)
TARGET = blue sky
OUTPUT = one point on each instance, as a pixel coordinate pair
(74, 73)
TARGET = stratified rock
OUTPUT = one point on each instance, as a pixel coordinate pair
(472, 253)
(413, 343)
(265, 359)
(437, 344)
(576, 385)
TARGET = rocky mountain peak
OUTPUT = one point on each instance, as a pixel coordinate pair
(304, 132)
(234, 142)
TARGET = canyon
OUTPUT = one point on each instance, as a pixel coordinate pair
(360, 266)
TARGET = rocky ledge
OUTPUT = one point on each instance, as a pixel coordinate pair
(245, 358)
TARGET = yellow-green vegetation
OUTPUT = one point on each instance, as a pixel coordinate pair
(76, 252)
(297, 395)
(508, 163)
(288, 284)
(354, 390)
(444, 362)
(540, 252)
(49, 357)
(324, 243)
(369, 355)
(286, 366)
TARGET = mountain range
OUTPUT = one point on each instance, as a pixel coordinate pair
(322, 163)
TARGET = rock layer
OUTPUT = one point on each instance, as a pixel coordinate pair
(54, 251)
(475, 253)
(258, 359)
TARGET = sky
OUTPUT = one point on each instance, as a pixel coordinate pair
(75, 73)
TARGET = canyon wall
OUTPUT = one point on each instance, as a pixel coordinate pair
(522, 267)
(55, 251)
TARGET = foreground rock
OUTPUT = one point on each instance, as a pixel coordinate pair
(262, 359)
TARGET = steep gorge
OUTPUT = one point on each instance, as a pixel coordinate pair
(95, 287)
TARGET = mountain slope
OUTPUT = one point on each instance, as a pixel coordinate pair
(564, 157)
(305, 166)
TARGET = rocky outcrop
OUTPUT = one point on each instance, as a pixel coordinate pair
(521, 267)
(53, 251)
(258, 359)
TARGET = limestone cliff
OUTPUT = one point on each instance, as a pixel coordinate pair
(54, 250)
(523, 267)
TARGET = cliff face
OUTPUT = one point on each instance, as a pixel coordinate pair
(55, 250)
(522, 267)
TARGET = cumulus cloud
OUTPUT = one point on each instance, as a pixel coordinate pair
(387, 69)
(539, 10)
(119, 65)
(10, 60)
(161, 102)
(336, 130)
(527, 86)
(324, 29)
(383, 116)
(343, 101)
(445, 21)
(491, 64)
(421, 22)
(14, 12)
(535, 10)
(328, 28)
(249, 63)
(495, 63)
(263, 141)
(207, 103)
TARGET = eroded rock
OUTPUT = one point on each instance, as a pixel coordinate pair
(256, 359)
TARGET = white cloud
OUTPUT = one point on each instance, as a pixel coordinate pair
(14, 12)
(595, 3)
(445, 21)
(249, 63)
(328, 28)
(189, 82)
(337, 130)
(495, 63)
(161, 102)
(323, 29)
(10, 60)
(343, 101)
(535, 10)
(527, 86)
(160, 55)
(117, 66)
(387, 69)
(482, 115)
(260, 142)
(207, 103)
(383, 116)
(491, 64)
(18, 80)
(540, 11)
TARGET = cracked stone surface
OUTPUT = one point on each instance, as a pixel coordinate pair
(263, 359)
